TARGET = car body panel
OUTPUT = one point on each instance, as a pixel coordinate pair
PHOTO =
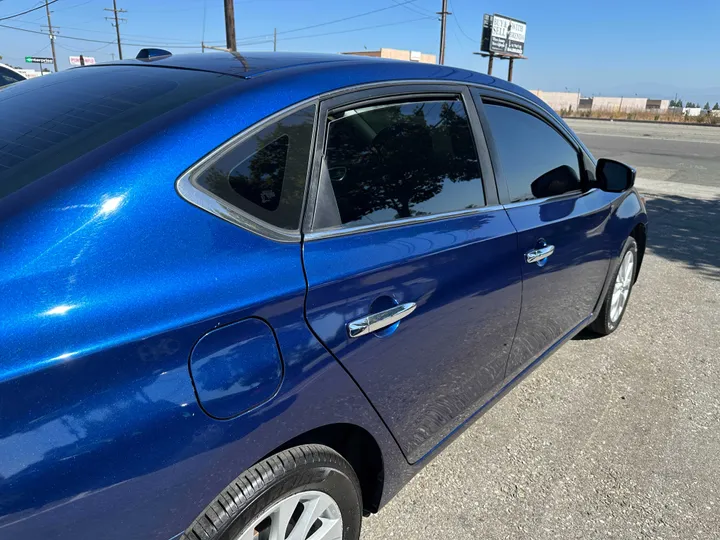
(109, 279)
(447, 358)
(561, 292)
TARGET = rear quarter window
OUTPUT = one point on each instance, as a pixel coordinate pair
(49, 121)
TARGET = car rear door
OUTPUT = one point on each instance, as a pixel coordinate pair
(545, 184)
(413, 277)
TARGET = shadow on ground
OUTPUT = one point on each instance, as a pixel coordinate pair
(686, 230)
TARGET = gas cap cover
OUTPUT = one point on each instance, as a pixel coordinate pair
(236, 368)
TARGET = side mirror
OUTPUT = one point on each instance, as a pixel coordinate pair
(613, 176)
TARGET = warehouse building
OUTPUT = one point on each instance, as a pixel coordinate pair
(398, 54)
(573, 101)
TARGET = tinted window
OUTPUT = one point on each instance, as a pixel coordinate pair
(50, 121)
(536, 161)
(265, 174)
(402, 160)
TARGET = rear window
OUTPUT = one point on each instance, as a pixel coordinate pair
(50, 121)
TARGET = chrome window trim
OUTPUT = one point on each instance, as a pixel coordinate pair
(414, 89)
(198, 196)
(331, 233)
(569, 195)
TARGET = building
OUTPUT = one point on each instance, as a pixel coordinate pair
(560, 101)
(573, 101)
(397, 54)
(29, 73)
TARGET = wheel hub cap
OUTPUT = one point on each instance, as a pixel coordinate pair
(310, 515)
(623, 282)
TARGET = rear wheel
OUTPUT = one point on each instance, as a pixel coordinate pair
(305, 493)
(618, 294)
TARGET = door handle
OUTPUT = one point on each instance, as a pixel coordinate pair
(539, 254)
(381, 319)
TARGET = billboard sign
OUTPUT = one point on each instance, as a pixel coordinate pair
(38, 60)
(88, 61)
(503, 35)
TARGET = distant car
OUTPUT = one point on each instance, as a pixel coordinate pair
(250, 296)
(9, 75)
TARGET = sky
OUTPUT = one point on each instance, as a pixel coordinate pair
(605, 47)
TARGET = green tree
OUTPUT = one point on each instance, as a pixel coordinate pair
(707, 106)
(716, 107)
(679, 103)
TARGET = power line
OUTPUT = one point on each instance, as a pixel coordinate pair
(337, 20)
(270, 40)
(414, 9)
(169, 46)
(457, 21)
(28, 11)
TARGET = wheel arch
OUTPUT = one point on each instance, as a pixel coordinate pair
(358, 447)
(639, 233)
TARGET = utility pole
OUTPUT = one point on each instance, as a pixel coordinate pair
(116, 24)
(510, 69)
(230, 25)
(52, 37)
(443, 16)
(274, 39)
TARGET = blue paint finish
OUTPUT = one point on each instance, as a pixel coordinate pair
(236, 368)
(108, 279)
(443, 361)
(562, 292)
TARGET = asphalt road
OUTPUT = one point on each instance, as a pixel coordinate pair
(617, 437)
(688, 154)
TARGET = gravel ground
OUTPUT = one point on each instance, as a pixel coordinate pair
(615, 437)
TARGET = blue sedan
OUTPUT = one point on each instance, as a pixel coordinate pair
(250, 296)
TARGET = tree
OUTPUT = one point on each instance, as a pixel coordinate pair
(716, 107)
(707, 106)
(679, 103)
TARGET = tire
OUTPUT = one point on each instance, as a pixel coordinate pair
(295, 478)
(609, 318)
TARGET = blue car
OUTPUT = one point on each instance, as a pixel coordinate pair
(250, 296)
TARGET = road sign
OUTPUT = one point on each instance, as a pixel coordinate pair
(75, 61)
(38, 60)
(503, 35)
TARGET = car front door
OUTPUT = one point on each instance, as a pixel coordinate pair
(413, 279)
(544, 184)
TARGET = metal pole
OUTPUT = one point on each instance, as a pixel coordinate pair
(52, 37)
(230, 25)
(274, 39)
(490, 63)
(443, 19)
(117, 30)
(510, 68)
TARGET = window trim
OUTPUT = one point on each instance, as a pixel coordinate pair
(507, 99)
(386, 93)
(198, 196)
(213, 205)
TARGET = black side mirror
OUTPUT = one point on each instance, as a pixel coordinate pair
(613, 176)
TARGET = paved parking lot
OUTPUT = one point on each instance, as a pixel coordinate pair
(616, 437)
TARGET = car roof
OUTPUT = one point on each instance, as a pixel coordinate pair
(255, 64)
(248, 65)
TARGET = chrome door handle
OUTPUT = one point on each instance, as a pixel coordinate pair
(381, 319)
(537, 255)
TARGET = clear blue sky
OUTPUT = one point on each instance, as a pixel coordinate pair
(607, 47)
